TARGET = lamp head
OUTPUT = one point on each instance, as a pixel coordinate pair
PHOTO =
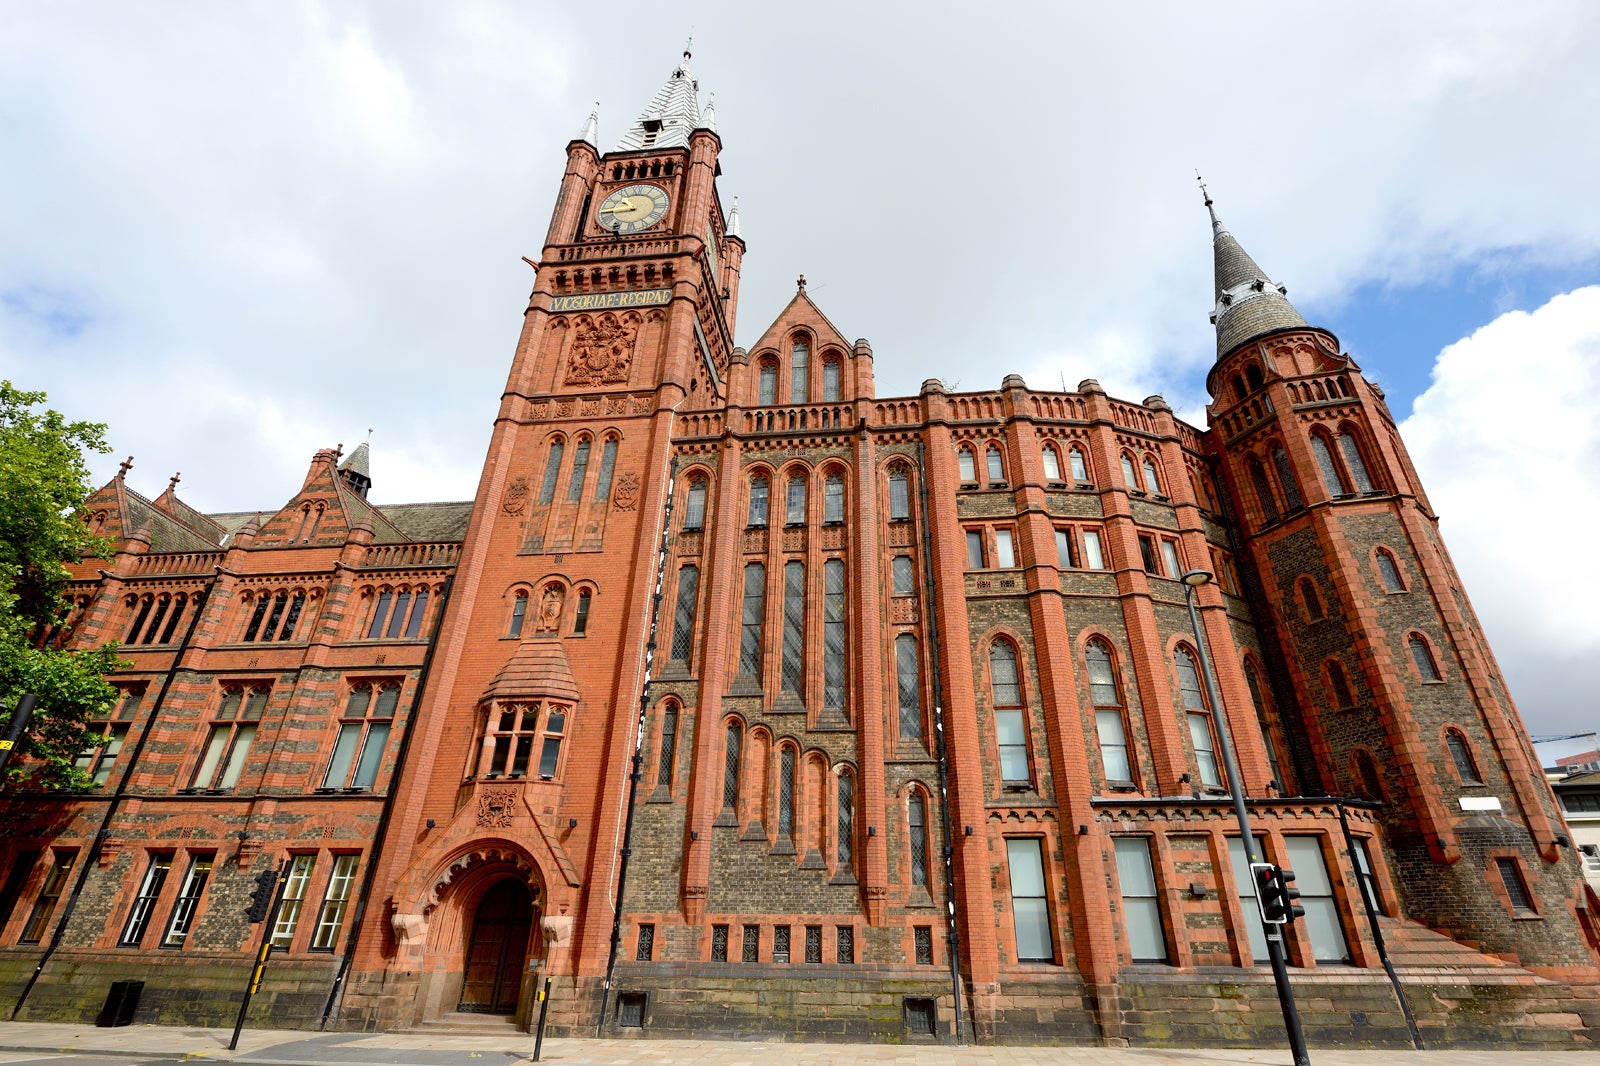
(1196, 578)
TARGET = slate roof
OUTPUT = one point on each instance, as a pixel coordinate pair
(430, 521)
(676, 106)
(1249, 304)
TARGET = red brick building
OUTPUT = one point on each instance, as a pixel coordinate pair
(872, 713)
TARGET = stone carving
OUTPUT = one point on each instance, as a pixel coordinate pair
(590, 406)
(495, 806)
(557, 928)
(516, 496)
(602, 352)
(564, 409)
(642, 405)
(626, 495)
(549, 610)
(409, 928)
(616, 405)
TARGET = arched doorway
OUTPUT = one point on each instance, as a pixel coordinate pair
(497, 952)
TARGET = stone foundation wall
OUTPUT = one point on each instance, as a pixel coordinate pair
(183, 989)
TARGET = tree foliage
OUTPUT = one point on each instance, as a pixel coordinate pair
(43, 482)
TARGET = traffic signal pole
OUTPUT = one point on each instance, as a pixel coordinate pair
(1280, 966)
(279, 879)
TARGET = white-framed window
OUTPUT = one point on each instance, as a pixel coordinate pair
(189, 893)
(1005, 556)
(294, 900)
(334, 902)
(1093, 557)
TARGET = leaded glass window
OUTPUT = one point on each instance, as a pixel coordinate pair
(833, 633)
(794, 626)
(608, 464)
(800, 374)
(683, 618)
(669, 744)
(755, 586)
(786, 793)
(917, 822)
(1286, 478)
(847, 817)
(1331, 477)
(730, 767)
(759, 488)
(833, 499)
(1351, 451)
(580, 470)
(795, 512)
(899, 494)
(552, 471)
(907, 683)
(830, 381)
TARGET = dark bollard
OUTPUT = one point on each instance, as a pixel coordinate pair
(544, 1011)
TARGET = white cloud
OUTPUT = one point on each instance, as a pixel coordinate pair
(1507, 443)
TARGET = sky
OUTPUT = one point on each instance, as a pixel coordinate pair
(242, 232)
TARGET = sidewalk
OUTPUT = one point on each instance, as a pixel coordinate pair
(287, 1047)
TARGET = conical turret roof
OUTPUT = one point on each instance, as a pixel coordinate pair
(1249, 304)
(673, 114)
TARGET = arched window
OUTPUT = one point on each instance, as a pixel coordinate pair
(1151, 482)
(768, 394)
(683, 617)
(730, 769)
(1077, 463)
(1253, 375)
(552, 471)
(1052, 463)
(1263, 487)
(795, 510)
(1109, 725)
(1252, 680)
(833, 498)
(1291, 487)
(580, 620)
(1199, 714)
(786, 794)
(908, 683)
(1332, 479)
(759, 488)
(830, 380)
(917, 838)
(755, 590)
(847, 816)
(833, 634)
(1351, 450)
(519, 612)
(1239, 392)
(1422, 655)
(899, 494)
(608, 463)
(800, 373)
(1390, 572)
(966, 465)
(580, 470)
(694, 510)
(1367, 779)
(1130, 477)
(1461, 755)
(1011, 730)
(1313, 602)
(996, 465)
(669, 744)
(1339, 685)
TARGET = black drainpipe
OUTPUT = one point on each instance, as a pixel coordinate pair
(948, 850)
(116, 799)
(335, 992)
(1377, 933)
(638, 743)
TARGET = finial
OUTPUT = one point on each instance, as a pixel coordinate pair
(124, 467)
(802, 283)
(172, 485)
(1215, 225)
(369, 436)
(338, 451)
(688, 46)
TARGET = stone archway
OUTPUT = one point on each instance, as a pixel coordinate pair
(478, 933)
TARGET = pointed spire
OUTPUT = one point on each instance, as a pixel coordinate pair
(1249, 304)
(708, 116)
(733, 220)
(357, 467)
(123, 468)
(591, 128)
(673, 113)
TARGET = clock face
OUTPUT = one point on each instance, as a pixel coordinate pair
(633, 208)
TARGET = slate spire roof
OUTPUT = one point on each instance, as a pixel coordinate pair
(673, 114)
(1249, 304)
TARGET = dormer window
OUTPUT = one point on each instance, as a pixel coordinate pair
(652, 129)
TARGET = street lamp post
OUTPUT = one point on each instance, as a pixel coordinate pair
(1280, 969)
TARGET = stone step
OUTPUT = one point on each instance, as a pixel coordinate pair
(475, 1024)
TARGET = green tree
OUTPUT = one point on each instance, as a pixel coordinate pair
(43, 483)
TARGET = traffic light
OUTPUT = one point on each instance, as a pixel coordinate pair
(1273, 894)
(261, 895)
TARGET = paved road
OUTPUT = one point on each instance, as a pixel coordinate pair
(149, 1045)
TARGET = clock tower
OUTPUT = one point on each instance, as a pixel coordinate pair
(507, 819)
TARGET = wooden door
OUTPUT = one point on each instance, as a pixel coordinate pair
(498, 950)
